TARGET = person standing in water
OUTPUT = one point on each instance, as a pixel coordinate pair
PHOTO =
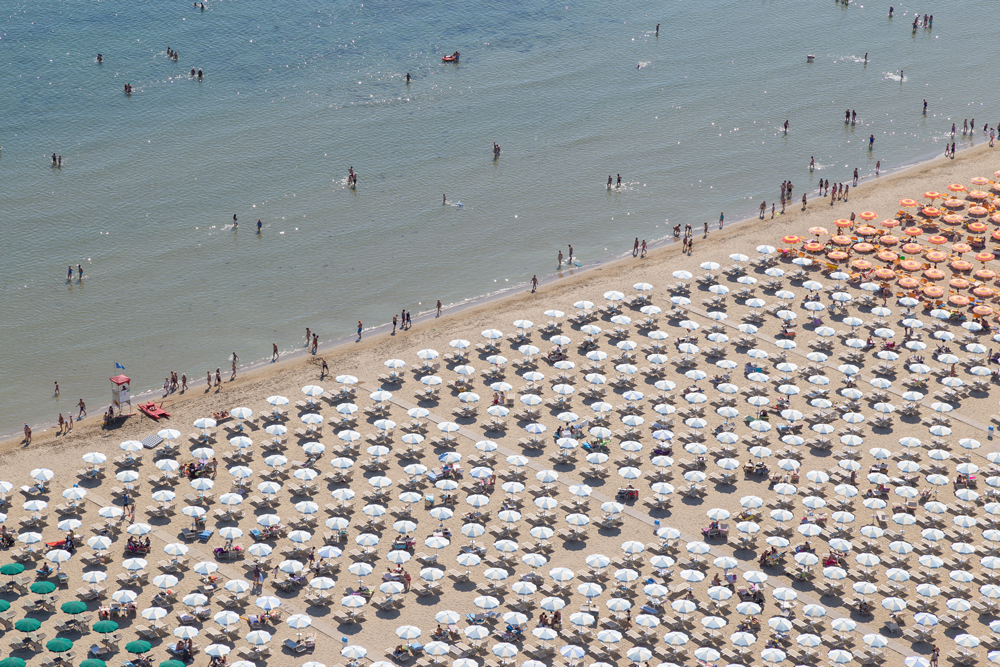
(560, 259)
(642, 250)
(69, 273)
(657, 29)
(534, 285)
(259, 225)
(79, 270)
(444, 199)
(925, 107)
(812, 163)
(786, 127)
(274, 352)
(407, 78)
(570, 253)
(722, 219)
(878, 165)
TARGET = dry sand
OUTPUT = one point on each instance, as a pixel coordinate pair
(365, 360)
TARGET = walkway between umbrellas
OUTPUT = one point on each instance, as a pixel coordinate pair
(602, 498)
(228, 571)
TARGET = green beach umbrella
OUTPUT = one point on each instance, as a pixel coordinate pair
(105, 627)
(93, 662)
(4, 605)
(138, 647)
(42, 587)
(74, 607)
(27, 624)
(59, 645)
(11, 569)
(172, 663)
(12, 662)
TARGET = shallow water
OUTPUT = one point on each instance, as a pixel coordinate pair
(294, 94)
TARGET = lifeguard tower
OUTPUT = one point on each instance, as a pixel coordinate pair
(120, 394)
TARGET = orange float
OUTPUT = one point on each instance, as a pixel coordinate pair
(908, 203)
(841, 240)
(959, 283)
(863, 247)
(931, 212)
(961, 265)
(836, 255)
(956, 187)
(909, 265)
(933, 291)
(978, 210)
(934, 274)
(888, 240)
(961, 248)
(908, 282)
(868, 215)
(818, 231)
(861, 264)
(912, 248)
(982, 311)
(986, 274)
(979, 180)
(842, 223)
(959, 300)
(983, 291)
(977, 227)
(885, 274)
(891, 222)
(792, 239)
(936, 256)
(954, 203)
(976, 194)
(887, 256)
(937, 239)
(953, 219)
(812, 246)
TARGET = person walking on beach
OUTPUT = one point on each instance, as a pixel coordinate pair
(878, 165)
(409, 322)
(315, 342)
(308, 336)
(184, 382)
(274, 352)
(570, 253)
(233, 376)
(803, 201)
(62, 424)
(27, 434)
(69, 423)
(642, 252)
(635, 247)
(855, 176)
(534, 286)
(763, 207)
(393, 325)
(360, 327)
(722, 219)
(705, 236)
(439, 308)
(83, 410)
(847, 188)
(218, 376)
(324, 370)
(772, 210)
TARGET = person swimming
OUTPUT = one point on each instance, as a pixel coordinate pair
(100, 58)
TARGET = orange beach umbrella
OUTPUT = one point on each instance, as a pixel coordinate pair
(868, 215)
(956, 187)
(908, 203)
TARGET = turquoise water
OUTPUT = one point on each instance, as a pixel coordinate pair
(295, 93)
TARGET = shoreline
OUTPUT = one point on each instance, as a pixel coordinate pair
(566, 278)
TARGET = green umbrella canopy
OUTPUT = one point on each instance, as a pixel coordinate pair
(11, 569)
(171, 663)
(74, 607)
(92, 662)
(59, 645)
(42, 587)
(104, 627)
(27, 624)
(138, 647)
(12, 662)
(4, 605)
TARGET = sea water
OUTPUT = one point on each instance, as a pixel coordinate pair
(294, 94)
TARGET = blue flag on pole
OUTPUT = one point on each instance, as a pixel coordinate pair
(117, 366)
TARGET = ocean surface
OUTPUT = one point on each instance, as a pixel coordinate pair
(294, 94)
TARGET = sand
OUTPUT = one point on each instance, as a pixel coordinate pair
(365, 361)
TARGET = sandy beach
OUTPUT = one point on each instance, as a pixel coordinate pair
(635, 521)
